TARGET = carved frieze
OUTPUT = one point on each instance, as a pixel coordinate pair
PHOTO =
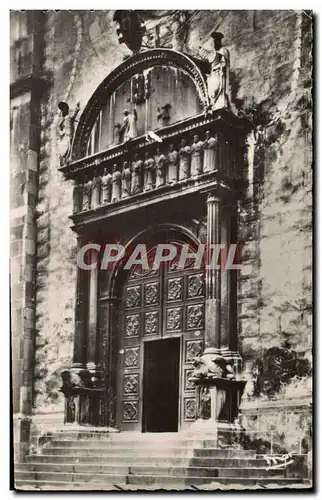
(130, 411)
(132, 325)
(195, 316)
(132, 357)
(132, 297)
(174, 319)
(151, 322)
(131, 384)
(175, 289)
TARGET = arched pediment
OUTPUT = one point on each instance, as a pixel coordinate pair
(186, 87)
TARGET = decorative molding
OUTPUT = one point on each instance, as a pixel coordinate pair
(131, 384)
(190, 409)
(196, 286)
(193, 349)
(174, 319)
(195, 316)
(175, 289)
(151, 321)
(130, 411)
(133, 297)
(151, 293)
(132, 326)
(132, 357)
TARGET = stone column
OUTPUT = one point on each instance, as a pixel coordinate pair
(225, 281)
(213, 278)
(80, 341)
(108, 307)
(92, 313)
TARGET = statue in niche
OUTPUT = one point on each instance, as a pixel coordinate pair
(163, 114)
(87, 193)
(129, 128)
(160, 169)
(173, 157)
(126, 180)
(96, 190)
(149, 171)
(106, 186)
(77, 191)
(137, 167)
(184, 165)
(219, 72)
(65, 130)
(210, 148)
(196, 156)
(116, 184)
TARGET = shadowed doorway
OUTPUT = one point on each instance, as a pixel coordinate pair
(161, 385)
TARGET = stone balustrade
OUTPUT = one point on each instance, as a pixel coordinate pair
(155, 167)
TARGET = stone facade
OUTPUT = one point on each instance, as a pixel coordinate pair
(64, 56)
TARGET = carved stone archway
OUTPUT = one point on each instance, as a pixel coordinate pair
(124, 71)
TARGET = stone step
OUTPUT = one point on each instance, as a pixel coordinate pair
(110, 443)
(147, 461)
(148, 470)
(147, 451)
(108, 482)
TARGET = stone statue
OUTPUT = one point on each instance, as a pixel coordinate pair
(87, 193)
(106, 186)
(184, 166)
(126, 180)
(65, 131)
(77, 191)
(173, 158)
(196, 156)
(96, 190)
(210, 149)
(149, 171)
(219, 73)
(160, 173)
(137, 167)
(116, 184)
(129, 128)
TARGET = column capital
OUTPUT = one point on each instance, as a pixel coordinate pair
(213, 197)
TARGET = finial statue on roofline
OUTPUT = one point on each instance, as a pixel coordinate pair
(219, 74)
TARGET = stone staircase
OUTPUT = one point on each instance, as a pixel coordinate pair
(95, 460)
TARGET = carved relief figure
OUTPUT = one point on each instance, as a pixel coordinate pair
(137, 167)
(126, 180)
(173, 158)
(77, 191)
(196, 156)
(149, 171)
(87, 193)
(116, 184)
(96, 190)
(160, 173)
(106, 186)
(184, 166)
(65, 130)
(210, 149)
(218, 79)
(129, 128)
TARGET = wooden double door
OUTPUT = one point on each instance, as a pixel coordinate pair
(161, 331)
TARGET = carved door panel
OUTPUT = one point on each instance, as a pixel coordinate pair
(159, 305)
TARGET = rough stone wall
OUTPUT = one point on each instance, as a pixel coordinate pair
(270, 61)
